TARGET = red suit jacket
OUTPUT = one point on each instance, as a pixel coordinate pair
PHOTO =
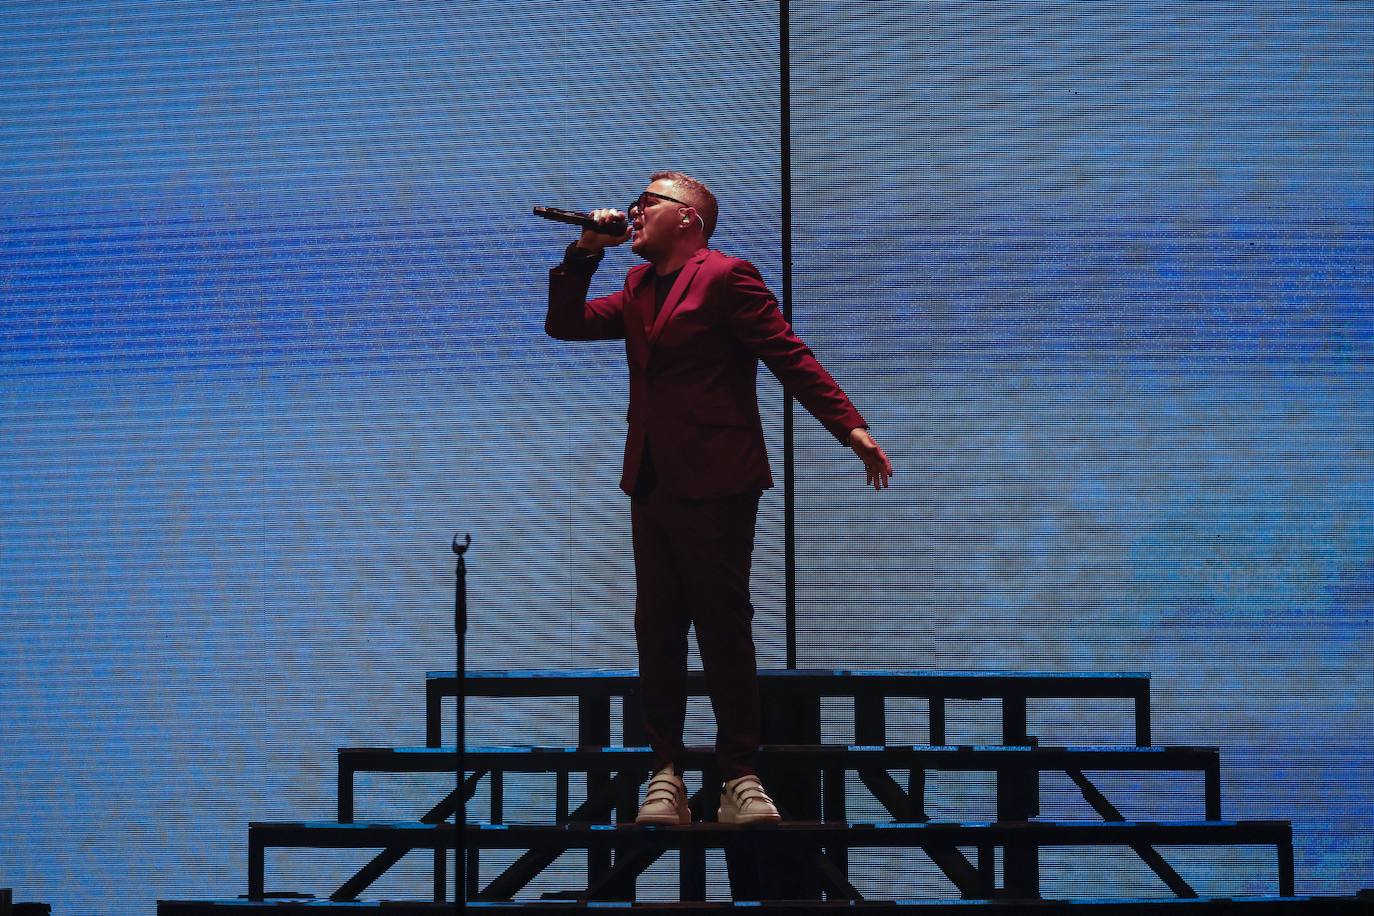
(693, 394)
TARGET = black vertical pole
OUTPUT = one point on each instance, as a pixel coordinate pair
(789, 490)
(460, 632)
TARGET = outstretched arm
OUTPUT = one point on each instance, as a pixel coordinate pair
(759, 324)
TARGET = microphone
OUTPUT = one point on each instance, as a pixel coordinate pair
(575, 218)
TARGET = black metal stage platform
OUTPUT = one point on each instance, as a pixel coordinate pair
(802, 865)
(1215, 906)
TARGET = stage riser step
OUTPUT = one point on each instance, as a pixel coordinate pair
(331, 835)
(1250, 906)
(953, 685)
(795, 689)
(881, 835)
(788, 838)
(572, 759)
(804, 760)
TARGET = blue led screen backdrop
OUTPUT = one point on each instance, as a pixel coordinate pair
(272, 332)
(1099, 274)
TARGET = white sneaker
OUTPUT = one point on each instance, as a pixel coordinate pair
(666, 800)
(743, 801)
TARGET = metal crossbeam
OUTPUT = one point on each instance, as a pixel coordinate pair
(381, 863)
(1148, 854)
(955, 865)
(889, 794)
(526, 868)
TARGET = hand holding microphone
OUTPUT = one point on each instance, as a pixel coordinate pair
(601, 229)
(611, 227)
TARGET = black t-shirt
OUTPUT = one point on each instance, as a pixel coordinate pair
(663, 286)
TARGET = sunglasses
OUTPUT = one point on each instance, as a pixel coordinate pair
(648, 197)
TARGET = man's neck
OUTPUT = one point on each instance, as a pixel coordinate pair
(671, 264)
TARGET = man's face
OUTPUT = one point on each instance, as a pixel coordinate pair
(657, 222)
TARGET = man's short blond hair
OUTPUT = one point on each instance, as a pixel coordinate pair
(698, 195)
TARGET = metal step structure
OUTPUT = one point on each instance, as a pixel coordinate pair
(869, 762)
(1117, 906)
(868, 689)
(803, 864)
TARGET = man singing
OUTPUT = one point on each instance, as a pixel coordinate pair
(695, 324)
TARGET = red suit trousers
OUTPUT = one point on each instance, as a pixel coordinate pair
(692, 561)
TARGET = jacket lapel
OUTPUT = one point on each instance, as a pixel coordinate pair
(642, 301)
(689, 271)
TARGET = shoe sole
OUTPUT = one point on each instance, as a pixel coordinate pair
(665, 820)
(661, 822)
(741, 820)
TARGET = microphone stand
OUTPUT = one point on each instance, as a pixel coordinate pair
(460, 631)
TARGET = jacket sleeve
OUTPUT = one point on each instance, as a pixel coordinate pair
(758, 324)
(573, 317)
